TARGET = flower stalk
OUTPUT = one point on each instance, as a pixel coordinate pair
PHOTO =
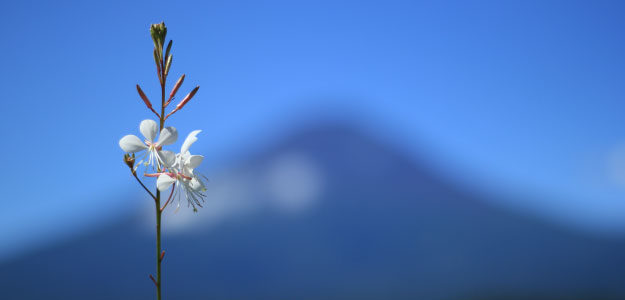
(173, 171)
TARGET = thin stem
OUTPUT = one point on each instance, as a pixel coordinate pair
(168, 199)
(158, 245)
(157, 201)
(157, 115)
(145, 188)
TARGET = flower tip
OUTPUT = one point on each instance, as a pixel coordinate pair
(175, 89)
(144, 97)
(187, 98)
(158, 32)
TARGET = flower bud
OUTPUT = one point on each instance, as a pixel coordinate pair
(158, 66)
(184, 101)
(175, 89)
(158, 33)
(144, 97)
(187, 98)
(168, 48)
(146, 100)
(130, 162)
(168, 64)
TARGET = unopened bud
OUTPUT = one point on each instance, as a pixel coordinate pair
(175, 89)
(130, 162)
(158, 33)
(168, 48)
(187, 98)
(146, 100)
(158, 66)
(168, 64)
(144, 97)
(184, 101)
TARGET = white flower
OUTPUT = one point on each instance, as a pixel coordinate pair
(188, 181)
(185, 162)
(156, 156)
(191, 187)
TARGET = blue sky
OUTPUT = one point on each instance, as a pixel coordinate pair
(516, 97)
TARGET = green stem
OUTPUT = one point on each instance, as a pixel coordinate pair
(158, 245)
(143, 185)
(157, 201)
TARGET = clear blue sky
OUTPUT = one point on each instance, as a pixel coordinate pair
(515, 96)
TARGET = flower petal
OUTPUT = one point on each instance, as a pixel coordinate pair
(186, 171)
(183, 156)
(168, 158)
(131, 143)
(164, 181)
(149, 129)
(194, 161)
(191, 138)
(168, 136)
(178, 162)
(197, 185)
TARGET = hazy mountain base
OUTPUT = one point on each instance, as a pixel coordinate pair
(385, 228)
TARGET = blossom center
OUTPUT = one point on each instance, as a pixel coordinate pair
(182, 176)
(153, 146)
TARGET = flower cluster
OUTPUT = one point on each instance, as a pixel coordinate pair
(173, 170)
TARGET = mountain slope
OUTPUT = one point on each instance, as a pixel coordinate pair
(380, 226)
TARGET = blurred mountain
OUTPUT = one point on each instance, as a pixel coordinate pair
(334, 215)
